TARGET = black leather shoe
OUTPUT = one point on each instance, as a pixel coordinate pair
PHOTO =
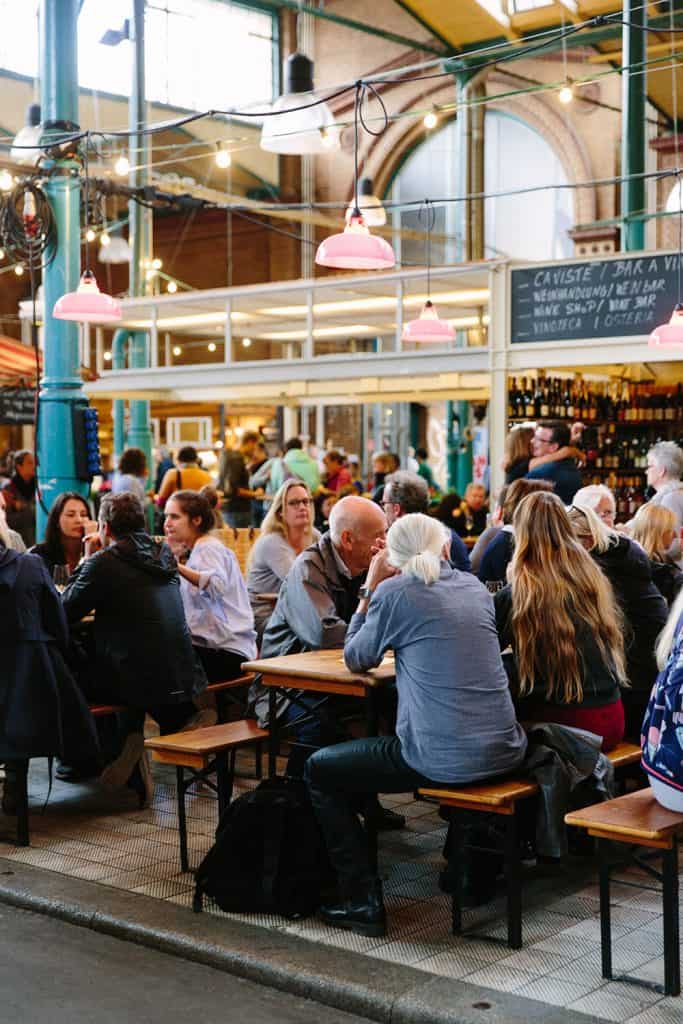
(364, 915)
(77, 772)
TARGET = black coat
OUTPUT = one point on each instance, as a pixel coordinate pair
(668, 579)
(628, 569)
(42, 711)
(143, 649)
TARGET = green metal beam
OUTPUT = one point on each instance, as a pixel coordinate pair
(358, 26)
(633, 140)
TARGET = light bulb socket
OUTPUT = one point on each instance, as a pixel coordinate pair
(298, 73)
(365, 187)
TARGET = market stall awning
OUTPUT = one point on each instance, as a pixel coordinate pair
(17, 361)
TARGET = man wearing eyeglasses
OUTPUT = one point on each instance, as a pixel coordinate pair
(548, 438)
(406, 492)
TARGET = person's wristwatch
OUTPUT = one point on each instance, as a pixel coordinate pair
(364, 594)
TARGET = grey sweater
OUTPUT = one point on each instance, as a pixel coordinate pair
(455, 721)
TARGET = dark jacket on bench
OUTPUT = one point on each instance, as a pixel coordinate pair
(42, 712)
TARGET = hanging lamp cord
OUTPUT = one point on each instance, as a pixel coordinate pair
(427, 215)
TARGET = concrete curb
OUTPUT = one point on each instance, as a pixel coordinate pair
(375, 989)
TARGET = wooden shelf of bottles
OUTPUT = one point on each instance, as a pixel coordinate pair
(623, 420)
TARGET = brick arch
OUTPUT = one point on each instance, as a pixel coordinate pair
(384, 155)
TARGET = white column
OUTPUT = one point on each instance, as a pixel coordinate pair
(154, 339)
(498, 370)
(85, 338)
(227, 353)
(99, 349)
(320, 428)
(398, 340)
(308, 341)
(290, 421)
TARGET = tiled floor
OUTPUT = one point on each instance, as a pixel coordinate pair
(88, 833)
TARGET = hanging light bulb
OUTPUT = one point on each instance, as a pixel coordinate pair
(157, 263)
(6, 180)
(2, 254)
(171, 287)
(297, 131)
(177, 350)
(370, 206)
(28, 137)
(430, 120)
(566, 93)
(428, 326)
(223, 158)
(211, 346)
(246, 342)
(355, 248)
(105, 239)
(107, 356)
(90, 235)
(87, 304)
(18, 270)
(122, 166)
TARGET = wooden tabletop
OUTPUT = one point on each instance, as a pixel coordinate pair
(636, 814)
(312, 669)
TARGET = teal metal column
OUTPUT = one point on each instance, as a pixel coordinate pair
(61, 384)
(118, 406)
(139, 228)
(458, 448)
(633, 141)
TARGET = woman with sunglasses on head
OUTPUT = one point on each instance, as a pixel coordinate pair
(286, 531)
(560, 617)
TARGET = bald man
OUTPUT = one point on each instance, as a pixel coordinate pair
(315, 604)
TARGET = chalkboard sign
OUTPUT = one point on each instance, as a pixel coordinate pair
(598, 299)
(16, 405)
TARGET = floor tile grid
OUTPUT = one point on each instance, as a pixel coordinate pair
(106, 838)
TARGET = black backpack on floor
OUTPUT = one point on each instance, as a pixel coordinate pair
(269, 855)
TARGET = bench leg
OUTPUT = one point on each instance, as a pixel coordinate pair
(273, 732)
(513, 878)
(225, 769)
(21, 782)
(605, 914)
(258, 760)
(182, 821)
(672, 963)
(456, 866)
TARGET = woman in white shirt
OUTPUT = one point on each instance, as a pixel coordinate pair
(286, 531)
(214, 594)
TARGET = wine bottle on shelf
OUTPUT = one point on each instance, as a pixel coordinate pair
(529, 409)
(512, 399)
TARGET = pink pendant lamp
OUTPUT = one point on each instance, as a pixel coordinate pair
(671, 335)
(355, 248)
(428, 326)
(87, 304)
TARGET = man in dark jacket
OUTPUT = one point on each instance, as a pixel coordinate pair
(143, 649)
(406, 492)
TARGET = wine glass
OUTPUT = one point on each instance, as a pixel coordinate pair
(60, 577)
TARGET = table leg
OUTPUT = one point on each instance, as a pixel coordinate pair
(224, 779)
(273, 730)
(21, 777)
(513, 879)
(605, 915)
(455, 868)
(672, 961)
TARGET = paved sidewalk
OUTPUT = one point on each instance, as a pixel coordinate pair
(87, 834)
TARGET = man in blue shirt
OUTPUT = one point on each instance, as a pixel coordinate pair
(548, 438)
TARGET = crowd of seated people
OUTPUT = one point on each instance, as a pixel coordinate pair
(570, 637)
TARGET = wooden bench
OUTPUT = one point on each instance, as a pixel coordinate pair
(204, 752)
(500, 798)
(637, 820)
(224, 696)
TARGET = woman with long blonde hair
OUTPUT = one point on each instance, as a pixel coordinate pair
(561, 619)
(654, 528)
(642, 607)
(286, 531)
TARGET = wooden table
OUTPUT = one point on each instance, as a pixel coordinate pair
(319, 672)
